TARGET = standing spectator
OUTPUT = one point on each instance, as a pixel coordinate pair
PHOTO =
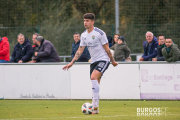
(121, 51)
(46, 51)
(159, 57)
(4, 50)
(171, 52)
(85, 55)
(150, 47)
(116, 36)
(22, 50)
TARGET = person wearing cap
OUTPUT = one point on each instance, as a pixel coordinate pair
(150, 47)
(22, 50)
(121, 51)
(4, 50)
(46, 51)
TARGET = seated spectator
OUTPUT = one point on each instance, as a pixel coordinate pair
(110, 41)
(4, 50)
(170, 52)
(121, 51)
(46, 51)
(161, 40)
(22, 50)
(116, 36)
(85, 55)
(150, 47)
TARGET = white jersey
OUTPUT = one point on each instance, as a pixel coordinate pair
(94, 42)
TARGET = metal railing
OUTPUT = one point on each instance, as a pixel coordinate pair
(138, 55)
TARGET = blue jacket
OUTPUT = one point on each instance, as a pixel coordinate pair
(24, 52)
(153, 49)
(85, 55)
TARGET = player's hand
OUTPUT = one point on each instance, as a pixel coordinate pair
(114, 64)
(67, 66)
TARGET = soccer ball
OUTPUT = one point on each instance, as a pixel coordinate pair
(87, 108)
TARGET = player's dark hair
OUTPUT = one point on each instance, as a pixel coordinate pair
(161, 35)
(76, 33)
(90, 16)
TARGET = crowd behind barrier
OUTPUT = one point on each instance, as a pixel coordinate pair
(155, 49)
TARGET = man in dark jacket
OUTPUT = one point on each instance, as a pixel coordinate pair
(85, 55)
(150, 47)
(161, 40)
(171, 52)
(22, 51)
(46, 51)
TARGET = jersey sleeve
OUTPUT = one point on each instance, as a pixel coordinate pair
(82, 43)
(103, 39)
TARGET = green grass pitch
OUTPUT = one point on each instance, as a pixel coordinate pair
(71, 109)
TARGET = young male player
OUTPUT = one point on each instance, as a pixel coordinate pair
(97, 43)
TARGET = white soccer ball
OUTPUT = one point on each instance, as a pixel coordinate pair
(87, 108)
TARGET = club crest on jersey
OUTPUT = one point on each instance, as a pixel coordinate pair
(93, 37)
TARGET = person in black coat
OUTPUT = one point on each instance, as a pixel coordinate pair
(46, 51)
(22, 50)
(159, 57)
(85, 55)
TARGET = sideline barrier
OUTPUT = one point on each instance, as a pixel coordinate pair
(133, 80)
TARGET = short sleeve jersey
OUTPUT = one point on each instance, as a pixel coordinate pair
(94, 42)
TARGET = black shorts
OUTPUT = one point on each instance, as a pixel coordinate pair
(100, 66)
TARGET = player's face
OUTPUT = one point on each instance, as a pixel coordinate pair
(116, 38)
(34, 39)
(168, 43)
(161, 40)
(149, 37)
(88, 23)
(21, 40)
(76, 37)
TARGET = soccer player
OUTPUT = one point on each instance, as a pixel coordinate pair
(97, 44)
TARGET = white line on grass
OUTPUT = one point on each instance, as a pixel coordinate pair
(67, 117)
(74, 117)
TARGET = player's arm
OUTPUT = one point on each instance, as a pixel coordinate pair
(76, 57)
(106, 47)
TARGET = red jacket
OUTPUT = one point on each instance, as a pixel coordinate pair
(4, 49)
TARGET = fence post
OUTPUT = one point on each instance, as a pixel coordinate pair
(37, 28)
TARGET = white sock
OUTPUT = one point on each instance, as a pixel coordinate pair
(95, 93)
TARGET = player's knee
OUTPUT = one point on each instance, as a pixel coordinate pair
(93, 78)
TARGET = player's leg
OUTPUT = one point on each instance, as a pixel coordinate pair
(95, 79)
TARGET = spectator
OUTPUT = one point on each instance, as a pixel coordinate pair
(46, 51)
(121, 51)
(22, 50)
(35, 48)
(110, 41)
(116, 36)
(4, 50)
(170, 52)
(161, 40)
(85, 55)
(150, 47)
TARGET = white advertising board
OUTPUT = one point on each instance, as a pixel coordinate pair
(121, 82)
(36, 82)
(1, 82)
(160, 81)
